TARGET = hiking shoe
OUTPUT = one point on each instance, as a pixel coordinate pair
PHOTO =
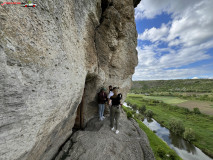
(113, 129)
(117, 131)
(103, 117)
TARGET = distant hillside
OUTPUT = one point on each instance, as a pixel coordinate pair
(180, 85)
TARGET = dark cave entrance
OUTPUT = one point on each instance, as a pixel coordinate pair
(79, 120)
(87, 108)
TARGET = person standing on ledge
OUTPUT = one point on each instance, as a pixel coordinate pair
(109, 101)
(116, 108)
(102, 99)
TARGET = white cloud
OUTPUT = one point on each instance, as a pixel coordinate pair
(194, 26)
(155, 34)
(151, 8)
(162, 74)
(188, 36)
(151, 56)
(153, 65)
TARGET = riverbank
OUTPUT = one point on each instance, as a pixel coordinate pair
(163, 113)
(161, 150)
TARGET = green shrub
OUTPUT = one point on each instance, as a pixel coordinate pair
(129, 115)
(171, 156)
(156, 101)
(133, 112)
(186, 111)
(196, 111)
(139, 116)
(134, 106)
(149, 113)
(189, 134)
(136, 115)
(173, 108)
(161, 153)
(149, 119)
(150, 101)
(176, 126)
(142, 109)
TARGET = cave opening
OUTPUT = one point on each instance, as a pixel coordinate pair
(79, 120)
(104, 5)
(86, 109)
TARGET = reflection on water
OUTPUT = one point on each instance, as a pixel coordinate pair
(182, 144)
(184, 149)
(149, 120)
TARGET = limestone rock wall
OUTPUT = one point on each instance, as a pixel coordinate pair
(48, 55)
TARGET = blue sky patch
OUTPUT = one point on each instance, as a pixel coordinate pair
(171, 46)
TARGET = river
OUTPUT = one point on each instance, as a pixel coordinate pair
(183, 148)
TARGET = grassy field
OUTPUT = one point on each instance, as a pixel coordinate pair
(160, 149)
(179, 85)
(204, 106)
(166, 99)
(201, 124)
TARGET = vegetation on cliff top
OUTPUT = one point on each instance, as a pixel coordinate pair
(190, 89)
(180, 85)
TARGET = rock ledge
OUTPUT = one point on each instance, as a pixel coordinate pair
(97, 141)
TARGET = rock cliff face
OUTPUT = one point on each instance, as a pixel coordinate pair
(50, 57)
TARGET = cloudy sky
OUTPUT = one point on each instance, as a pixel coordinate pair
(175, 39)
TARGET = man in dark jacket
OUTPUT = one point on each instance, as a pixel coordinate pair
(102, 99)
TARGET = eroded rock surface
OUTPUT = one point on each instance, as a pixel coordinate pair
(98, 142)
(52, 55)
